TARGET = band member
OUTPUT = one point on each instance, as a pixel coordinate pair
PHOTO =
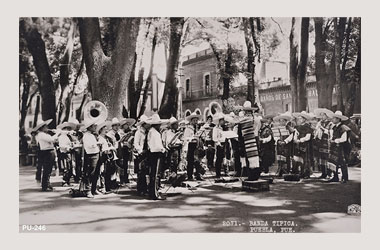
(36, 148)
(191, 143)
(156, 150)
(91, 158)
(303, 145)
(250, 126)
(126, 146)
(107, 156)
(266, 146)
(46, 155)
(321, 136)
(219, 140)
(339, 146)
(173, 144)
(280, 133)
(233, 142)
(140, 151)
(77, 137)
(209, 143)
(66, 147)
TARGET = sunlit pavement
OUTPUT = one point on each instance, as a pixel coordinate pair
(307, 206)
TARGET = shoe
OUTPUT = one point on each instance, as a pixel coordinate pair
(50, 188)
(46, 190)
(334, 179)
(344, 181)
(199, 178)
(323, 176)
(97, 192)
(90, 195)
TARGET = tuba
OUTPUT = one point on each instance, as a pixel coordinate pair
(214, 108)
(95, 111)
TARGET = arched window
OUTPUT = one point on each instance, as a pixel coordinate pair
(187, 112)
(198, 111)
(207, 83)
(187, 88)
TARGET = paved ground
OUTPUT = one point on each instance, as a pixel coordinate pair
(306, 206)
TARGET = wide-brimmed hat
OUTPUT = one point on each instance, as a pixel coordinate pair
(155, 120)
(115, 121)
(318, 112)
(173, 120)
(302, 114)
(339, 115)
(217, 117)
(269, 116)
(193, 115)
(128, 121)
(142, 120)
(66, 125)
(102, 125)
(88, 124)
(248, 106)
(287, 116)
(41, 124)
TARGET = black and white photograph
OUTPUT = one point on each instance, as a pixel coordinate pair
(190, 124)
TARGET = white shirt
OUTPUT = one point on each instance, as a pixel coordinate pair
(217, 135)
(155, 141)
(46, 141)
(90, 143)
(167, 136)
(138, 142)
(104, 144)
(64, 143)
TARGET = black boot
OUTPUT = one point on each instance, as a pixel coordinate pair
(324, 174)
(335, 178)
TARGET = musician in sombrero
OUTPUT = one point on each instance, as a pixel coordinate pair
(219, 140)
(126, 134)
(340, 146)
(280, 134)
(173, 144)
(76, 137)
(266, 146)
(321, 136)
(46, 154)
(249, 128)
(155, 154)
(140, 145)
(66, 147)
(303, 146)
(191, 143)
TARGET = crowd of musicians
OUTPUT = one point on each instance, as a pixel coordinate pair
(104, 156)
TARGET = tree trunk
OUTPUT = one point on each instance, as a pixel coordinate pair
(302, 67)
(64, 75)
(132, 93)
(338, 31)
(355, 86)
(320, 65)
(109, 76)
(36, 47)
(36, 111)
(346, 85)
(149, 79)
(250, 61)
(168, 106)
(68, 102)
(293, 65)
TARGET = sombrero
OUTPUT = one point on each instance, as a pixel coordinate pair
(115, 121)
(248, 106)
(66, 124)
(339, 115)
(155, 120)
(285, 116)
(128, 121)
(102, 125)
(41, 124)
(271, 116)
(302, 114)
(193, 115)
(217, 117)
(318, 112)
(88, 124)
(231, 118)
(173, 120)
(142, 120)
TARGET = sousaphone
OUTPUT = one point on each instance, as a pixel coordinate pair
(95, 111)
